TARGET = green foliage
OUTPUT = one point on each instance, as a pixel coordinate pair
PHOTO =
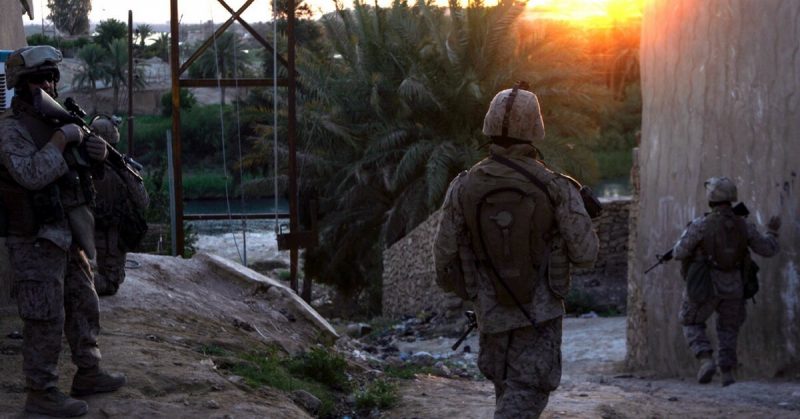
(270, 369)
(108, 30)
(41, 39)
(212, 350)
(379, 394)
(187, 98)
(614, 164)
(322, 366)
(207, 184)
(70, 16)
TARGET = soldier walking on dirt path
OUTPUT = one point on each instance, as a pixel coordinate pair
(46, 202)
(509, 231)
(715, 259)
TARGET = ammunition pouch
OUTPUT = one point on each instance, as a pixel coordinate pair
(18, 209)
(47, 206)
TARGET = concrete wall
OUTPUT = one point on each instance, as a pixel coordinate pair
(719, 84)
(409, 286)
(12, 34)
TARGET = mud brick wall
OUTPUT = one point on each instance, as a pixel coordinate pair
(605, 286)
(409, 285)
(409, 276)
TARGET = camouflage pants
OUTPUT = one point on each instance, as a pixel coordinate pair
(110, 272)
(55, 295)
(731, 314)
(525, 366)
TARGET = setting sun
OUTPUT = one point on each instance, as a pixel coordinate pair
(590, 12)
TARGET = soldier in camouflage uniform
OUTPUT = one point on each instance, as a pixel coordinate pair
(46, 201)
(519, 318)
(117, 192)
(720, 239)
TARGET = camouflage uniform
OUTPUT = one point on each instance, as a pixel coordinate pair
(53, 283)
(115, 191)
(727, 300)
(523, 361)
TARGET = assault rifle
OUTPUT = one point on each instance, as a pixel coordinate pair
(52, 110)
(472, 323)
(739, 209)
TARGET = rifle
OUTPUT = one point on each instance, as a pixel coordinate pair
(52, 110)
(666, 257)
(739, 209)
(472, 323)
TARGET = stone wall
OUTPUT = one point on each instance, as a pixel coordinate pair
(409, 277)
(409, 286)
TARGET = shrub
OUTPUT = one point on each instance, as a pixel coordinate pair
(379, 394)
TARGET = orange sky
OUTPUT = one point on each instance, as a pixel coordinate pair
(591, 12)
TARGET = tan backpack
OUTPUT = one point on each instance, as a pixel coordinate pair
(510, 221)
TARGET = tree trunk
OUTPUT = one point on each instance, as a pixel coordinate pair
(719, 85)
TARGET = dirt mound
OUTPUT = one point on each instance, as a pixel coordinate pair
(160, 329)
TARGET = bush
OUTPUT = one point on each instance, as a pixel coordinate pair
(379, 394)
(322, 366)
(187, 98)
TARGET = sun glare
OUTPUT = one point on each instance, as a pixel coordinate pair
(586, 12)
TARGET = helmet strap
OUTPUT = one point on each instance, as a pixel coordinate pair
(510, 104)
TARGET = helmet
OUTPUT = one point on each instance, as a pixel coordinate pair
(31, 60)
(513, 113)
(105, 127)
(720, 189)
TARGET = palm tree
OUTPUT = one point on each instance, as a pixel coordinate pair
(160, 47)
(117, 67)
(224, 59)
(93, 69)
(393, 111)
(143, 31)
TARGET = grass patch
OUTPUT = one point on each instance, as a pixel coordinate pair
(206, 185)
(379, 394)
(212, 350)
(322, 366)
(271, 369)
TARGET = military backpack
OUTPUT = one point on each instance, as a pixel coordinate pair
(510, 221)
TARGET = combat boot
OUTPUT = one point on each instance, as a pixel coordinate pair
(53, 402)
(707, 369)
(94, 380)
(727, 377)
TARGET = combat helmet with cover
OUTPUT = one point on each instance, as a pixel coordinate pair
(106, 127)
(32, 60)
(510, 218)
(514, 113)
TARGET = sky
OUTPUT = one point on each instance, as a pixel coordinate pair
(197, 11)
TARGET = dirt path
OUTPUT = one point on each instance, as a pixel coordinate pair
(594, 386)
(155, 331)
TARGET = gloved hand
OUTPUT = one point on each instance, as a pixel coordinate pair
(72, 133)
(774, 223)
(96, 148)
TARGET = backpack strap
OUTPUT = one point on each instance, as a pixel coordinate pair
(507, 162)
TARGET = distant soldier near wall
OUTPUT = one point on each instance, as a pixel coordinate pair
(717, 268)
(121, 200)
(510, 229)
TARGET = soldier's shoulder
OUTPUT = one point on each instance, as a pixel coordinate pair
(9, 126)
